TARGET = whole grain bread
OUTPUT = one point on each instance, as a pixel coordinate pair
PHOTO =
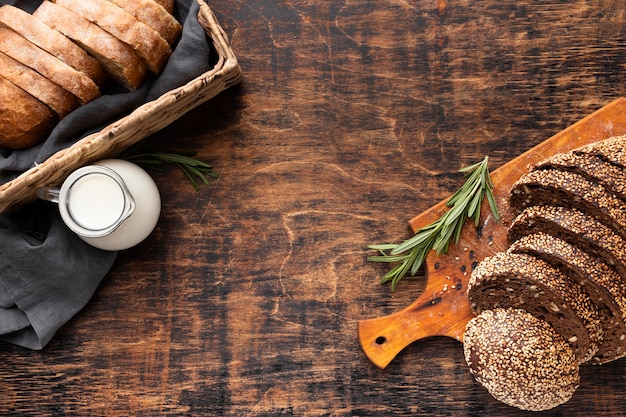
(118, 59)
(52, 42)
(576, 228)
(154, 15)
(569, 189)
(24, 120)
(593, 168)
(51, 67)
(38, 86)
(602, 283)
(510, 280)
(520, 359)
(145, 41)
(612, 150)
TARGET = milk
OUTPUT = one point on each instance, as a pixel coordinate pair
(96, 201)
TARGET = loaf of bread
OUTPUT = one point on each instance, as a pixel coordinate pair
(61, 56)
(593, 168)
(520, 359)
(38, 86)
(508, 280)
(117, 58)
(23, 118)
(52, 42)
(565, 270)
(145, 41)
(606, 289)
(569, 189)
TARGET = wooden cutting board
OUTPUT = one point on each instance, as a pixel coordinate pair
(442, 309)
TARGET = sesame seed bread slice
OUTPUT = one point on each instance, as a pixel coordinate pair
(52, 42)
(145, 41)
(509, 280)
(154, 15)
(602, 283)
(24, 120)
(118, 60)
(576, 228)
(520, 359)
(612, 150)
(568, 189)
(51, 67)
(593, 168)
(38, 86)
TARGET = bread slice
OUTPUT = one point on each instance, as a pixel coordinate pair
(602, 283)
(149, 45)
(569, 189)
(38, 86)
(119, 60)
(167, 5)
(612, 150)
(24, 120)
(507, 280)
(520, 359)
(51, 67)
(576, 228)
(593, 168)
(52, 42)
(154, 15)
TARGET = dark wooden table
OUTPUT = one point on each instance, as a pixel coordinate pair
(352, 118)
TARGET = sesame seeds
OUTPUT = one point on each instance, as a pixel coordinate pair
(521, 360)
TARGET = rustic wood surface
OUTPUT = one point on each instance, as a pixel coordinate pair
(352, 118)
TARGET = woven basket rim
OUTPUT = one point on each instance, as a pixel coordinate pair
(224, 74)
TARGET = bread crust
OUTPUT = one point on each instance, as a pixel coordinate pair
(49, 93)
(145, 41)
(51, 67)
(52, 42)
(154, 15)
(24, 120)
(118, 59)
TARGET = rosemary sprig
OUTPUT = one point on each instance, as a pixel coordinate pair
(194, 169)
(465, 203)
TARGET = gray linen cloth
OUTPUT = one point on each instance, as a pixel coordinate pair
(48, 274)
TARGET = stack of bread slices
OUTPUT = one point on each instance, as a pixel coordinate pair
(556, 298)
(63, 54)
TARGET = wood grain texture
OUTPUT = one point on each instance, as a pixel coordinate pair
(352, 118)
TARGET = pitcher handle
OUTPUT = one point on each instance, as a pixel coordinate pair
(49, 194)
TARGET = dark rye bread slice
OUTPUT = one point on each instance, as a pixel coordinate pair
(38, 86)
(602, 283)
(509, 280)
(593, 168)
(52, 42)
(145, 41)
(612, 150)
(568, 189)
(117, 59)
(51, 67)
(24, 120)
(576, 228)
(520, 359)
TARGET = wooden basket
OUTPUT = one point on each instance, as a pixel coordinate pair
(130, 129)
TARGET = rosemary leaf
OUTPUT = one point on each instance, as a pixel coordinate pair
(465, 203)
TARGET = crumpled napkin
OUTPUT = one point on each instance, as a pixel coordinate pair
(48, 274)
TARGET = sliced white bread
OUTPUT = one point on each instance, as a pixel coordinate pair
(154, 15)
(51, 67)
(147, 42)
(52, 42)
(118, 59)
(38, 86)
